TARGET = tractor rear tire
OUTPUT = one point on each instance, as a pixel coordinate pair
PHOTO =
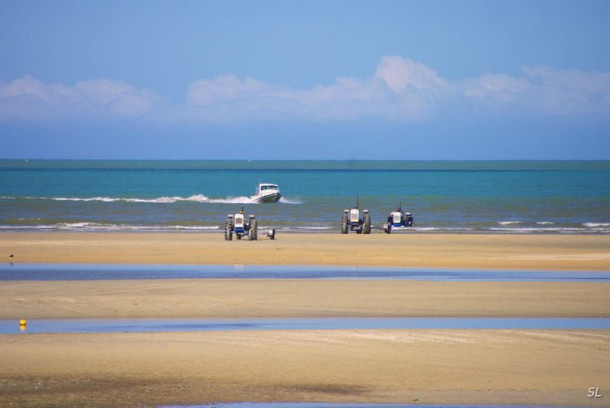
(366, 228)
(228, 235)
(344, 223)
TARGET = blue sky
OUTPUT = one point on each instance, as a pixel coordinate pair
(305, 79)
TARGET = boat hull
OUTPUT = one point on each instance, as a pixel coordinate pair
(266, 198)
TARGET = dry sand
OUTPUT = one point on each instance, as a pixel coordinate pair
(409, 366)
(554, 367)
(574, 252)
(300, 298)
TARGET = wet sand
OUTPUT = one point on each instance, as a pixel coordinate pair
(553, 367)
(551, 252)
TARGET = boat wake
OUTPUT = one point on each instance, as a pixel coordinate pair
(285, 200)
(197, 198)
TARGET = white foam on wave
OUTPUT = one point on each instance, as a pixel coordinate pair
(532, 230)
(198, 198)
(305, 228)
(439, 229)
(161, 200)
(285, 200)
(97, 227)
(25, 227)
(509, 222)
(231, 200)
(596, 224)
(545, 223)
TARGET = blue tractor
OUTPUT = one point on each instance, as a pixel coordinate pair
(236, 224)
(355, 220)
(398, 220)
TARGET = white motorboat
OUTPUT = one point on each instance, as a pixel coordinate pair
(266, 193)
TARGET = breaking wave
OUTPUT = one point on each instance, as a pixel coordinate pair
(197, 198)
(585, 228)
(597, 224)
(99, 227)
(509, 222)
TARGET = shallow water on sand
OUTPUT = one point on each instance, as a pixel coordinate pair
(61, 272)
(326, 323)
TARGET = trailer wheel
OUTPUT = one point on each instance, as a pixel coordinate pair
(253, 231)
(344, 223)
(366, 228)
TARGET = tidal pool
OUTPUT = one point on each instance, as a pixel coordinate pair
(326, 323)
(64, 272)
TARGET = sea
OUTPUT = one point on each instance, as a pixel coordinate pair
(524, 197)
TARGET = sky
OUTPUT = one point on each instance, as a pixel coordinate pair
(389, 80)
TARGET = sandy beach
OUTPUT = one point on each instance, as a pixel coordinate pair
(552, 252)
(300, 298)
(552, 367)
(408, 366)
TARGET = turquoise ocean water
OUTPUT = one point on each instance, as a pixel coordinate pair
(562, 197)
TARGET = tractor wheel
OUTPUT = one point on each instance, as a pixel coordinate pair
(238, 235)
(344, 223)
(253, 231)
(366, 228)
(388, 229)
(228, 235)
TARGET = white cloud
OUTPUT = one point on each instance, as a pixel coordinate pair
(542, 91)
(399, 89)
(399, 74)
(499, 86)
(29, 98)
(569, 92)
(222, 89)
